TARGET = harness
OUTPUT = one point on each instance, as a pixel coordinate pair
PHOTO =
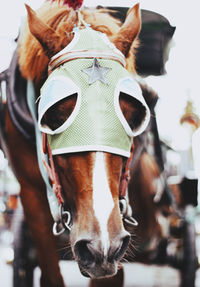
(16, 90)
(13, 88)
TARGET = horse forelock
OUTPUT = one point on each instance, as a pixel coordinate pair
(31, 57)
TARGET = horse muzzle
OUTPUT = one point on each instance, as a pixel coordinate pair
(94, 262)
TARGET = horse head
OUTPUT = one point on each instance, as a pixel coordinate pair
(81, 121)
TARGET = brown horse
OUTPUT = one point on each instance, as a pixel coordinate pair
(142, 191)
(90, 179)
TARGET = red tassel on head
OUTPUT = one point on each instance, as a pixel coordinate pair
(75, 4)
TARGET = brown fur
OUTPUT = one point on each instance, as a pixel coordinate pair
(36, 208)
(78, 179)
(114, 165)
(82, 188)
(141, 193)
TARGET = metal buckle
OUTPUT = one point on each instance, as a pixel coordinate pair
(58, 228)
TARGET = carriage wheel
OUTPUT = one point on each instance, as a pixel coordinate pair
(189, 263)
(24, 254)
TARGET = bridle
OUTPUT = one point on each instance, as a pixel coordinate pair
(65, 221)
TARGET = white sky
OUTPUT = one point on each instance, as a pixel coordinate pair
(182, 77)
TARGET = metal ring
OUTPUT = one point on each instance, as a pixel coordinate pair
(131, 221)
(123, 205)
(66, 223)
(55, 228)
(63, 223)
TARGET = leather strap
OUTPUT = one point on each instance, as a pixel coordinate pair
(51, 170)
(125, 177)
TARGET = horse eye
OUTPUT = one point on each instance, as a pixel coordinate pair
(57, 114)
(133, 111)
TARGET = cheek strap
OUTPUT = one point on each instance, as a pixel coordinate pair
(65, 221)
(52, 173)
(125, 177)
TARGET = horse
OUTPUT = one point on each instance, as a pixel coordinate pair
(71, 57)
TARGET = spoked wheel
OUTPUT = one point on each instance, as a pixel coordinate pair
(24, 253)
(189, 263)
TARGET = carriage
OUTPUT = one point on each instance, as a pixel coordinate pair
(53, 55)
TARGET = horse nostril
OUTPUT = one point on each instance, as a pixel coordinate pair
(121, 250)
(83, 253)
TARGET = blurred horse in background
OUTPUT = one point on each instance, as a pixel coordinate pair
(149, 194)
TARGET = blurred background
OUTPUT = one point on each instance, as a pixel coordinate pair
(176, 82)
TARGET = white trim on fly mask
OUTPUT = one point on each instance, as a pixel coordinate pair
(129, 86)
(91, 148)
(69, 47)
(71, 88)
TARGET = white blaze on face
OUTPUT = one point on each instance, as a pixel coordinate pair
(102, 198)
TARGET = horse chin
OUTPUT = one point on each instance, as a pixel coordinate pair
(98, 272)
(84, 273)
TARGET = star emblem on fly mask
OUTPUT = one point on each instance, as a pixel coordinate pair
(96, 73)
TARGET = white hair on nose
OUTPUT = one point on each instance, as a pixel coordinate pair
(102, 198)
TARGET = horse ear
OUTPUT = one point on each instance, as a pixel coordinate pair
(46, 36)
(129, 30)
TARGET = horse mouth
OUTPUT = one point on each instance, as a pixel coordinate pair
(97, 272)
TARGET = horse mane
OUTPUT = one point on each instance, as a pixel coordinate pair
(31, 57)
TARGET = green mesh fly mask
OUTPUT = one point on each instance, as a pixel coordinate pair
(94, 69)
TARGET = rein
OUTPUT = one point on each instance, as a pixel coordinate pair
(66, 221)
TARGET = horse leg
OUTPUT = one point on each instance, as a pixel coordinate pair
(40, 223)
(117, 280)
(36, 209)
